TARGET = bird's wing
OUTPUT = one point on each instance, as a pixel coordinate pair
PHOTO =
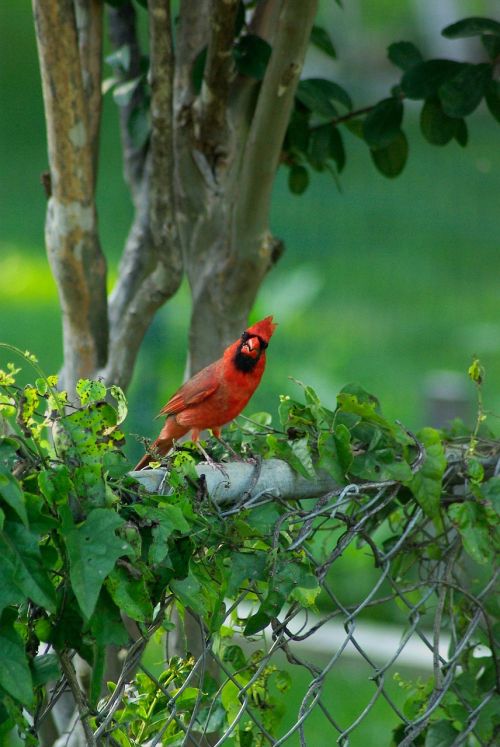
(201, 386)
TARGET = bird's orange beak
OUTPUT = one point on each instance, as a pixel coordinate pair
(251, 347)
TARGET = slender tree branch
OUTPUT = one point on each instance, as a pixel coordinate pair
(123, 33)
(162, 209)
(72, 240)
(265, 19)
(219, 71)
(80, 700)
(191, 36)
(89, 26)
(270, 122)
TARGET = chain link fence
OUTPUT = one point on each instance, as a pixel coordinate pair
(417, 577)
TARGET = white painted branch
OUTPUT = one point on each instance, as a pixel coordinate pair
(235, 481)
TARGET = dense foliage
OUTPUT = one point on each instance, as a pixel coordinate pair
(83, 543)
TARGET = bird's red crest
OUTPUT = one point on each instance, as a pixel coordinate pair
(264, 328)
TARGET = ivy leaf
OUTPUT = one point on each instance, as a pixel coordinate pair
(130, 594)
(390, 161)
(55, 484)
(15, 675)
(165, 520)
(12, 494)
(106, 624)
(462, 93)
(245, 566)
(251, 55)
(404, 55)
(21, 568)
(441, 734)
(45, 668)
(383, 124)
(423, 80)
(298, 179)
(426, 483)
(335, 454)
(188, 591)
(93, 550)
(321, 39)
(473, 528)
(90, 391)
(437, 127)
(473, 26)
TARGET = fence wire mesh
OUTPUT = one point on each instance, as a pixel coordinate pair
(407, 585)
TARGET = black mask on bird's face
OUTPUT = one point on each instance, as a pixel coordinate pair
(249, 352)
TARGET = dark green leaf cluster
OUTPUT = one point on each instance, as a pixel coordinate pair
(450, 92)
(83, 544)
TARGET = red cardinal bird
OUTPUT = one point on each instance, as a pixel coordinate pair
(218, 393)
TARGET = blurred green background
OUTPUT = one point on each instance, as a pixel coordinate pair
(382, 282)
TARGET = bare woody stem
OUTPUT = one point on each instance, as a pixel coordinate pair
(77, 262)
(271, 119)
(80, 700)
(219, 71)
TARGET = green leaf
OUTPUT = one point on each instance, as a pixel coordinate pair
(298, 179)
(335, 454)
(245, 566)
(90, 391)
(165, 520)
(437, 127)
(404, 55)
(492, 45)
(297, 134)
(11, 493)
(492, 96)
(45, 668)
(130, 594)
(106, 624)
(188, 591)
(319, 145)
(423, 80)
(21, 568)
(256, 622)
(426, 483)
(461, 133)
(383, 124)
(93, 550)
(121, 403)
(15, 675)
(441, 734)
(473, 26)
(320, 38)
(55, 484)
(318, 96)
(390, 161)
(251, 55)
(262, 519)
(462, 93)
(337, 150)
(473, 529)
(303, 460)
